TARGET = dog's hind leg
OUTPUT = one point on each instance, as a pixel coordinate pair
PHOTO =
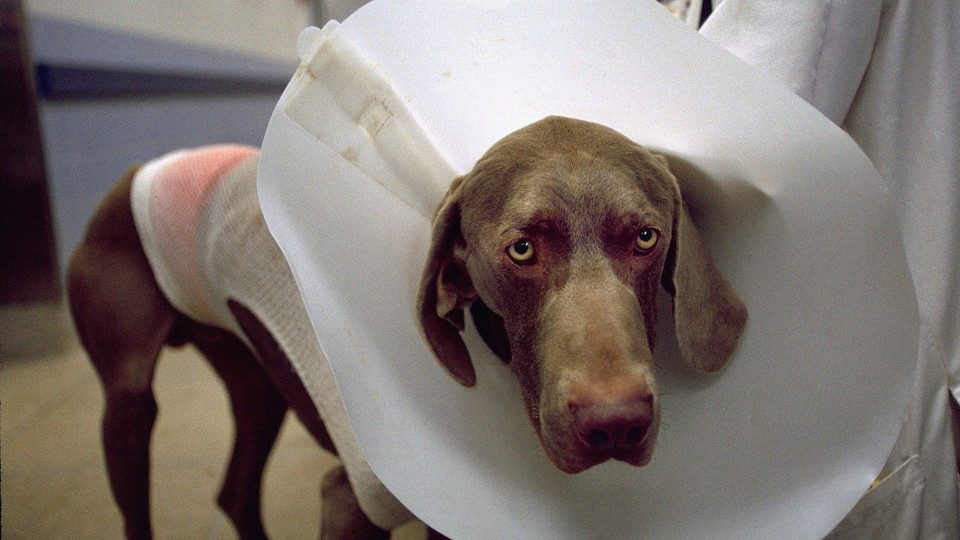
(258, 411)
(123, 321)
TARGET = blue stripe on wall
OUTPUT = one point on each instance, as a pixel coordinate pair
(76, 82)
(180, 96)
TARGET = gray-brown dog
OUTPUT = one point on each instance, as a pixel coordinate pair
(559, 238)
(124, 319)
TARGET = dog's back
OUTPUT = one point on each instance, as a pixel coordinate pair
(172, 198)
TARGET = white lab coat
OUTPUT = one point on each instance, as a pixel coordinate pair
(888, 72)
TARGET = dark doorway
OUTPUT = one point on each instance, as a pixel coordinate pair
(28, 265)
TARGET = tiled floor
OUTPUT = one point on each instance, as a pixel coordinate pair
(54, 483)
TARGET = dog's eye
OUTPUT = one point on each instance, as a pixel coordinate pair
(646, 240)
(521, 251)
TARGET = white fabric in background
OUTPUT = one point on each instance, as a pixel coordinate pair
(888, 72)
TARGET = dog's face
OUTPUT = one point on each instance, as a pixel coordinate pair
(560, 238)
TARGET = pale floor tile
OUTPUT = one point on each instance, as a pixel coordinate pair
(54, 483)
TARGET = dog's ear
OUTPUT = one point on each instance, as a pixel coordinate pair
(708, 315)
(446, 289)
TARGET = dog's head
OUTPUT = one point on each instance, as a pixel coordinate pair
(558, 240)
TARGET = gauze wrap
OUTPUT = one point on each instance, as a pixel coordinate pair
(200, 224)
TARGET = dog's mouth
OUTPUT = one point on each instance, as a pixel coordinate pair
(580, 461)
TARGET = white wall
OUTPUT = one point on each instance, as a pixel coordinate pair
(338, 9)
(88, 143)
(266, 28)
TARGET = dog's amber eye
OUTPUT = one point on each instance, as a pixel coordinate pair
(646, 240)
(521, 251)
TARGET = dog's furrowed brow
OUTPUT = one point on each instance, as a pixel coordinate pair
(633, 219)
(539, 223)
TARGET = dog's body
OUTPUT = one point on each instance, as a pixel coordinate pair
(559, 240)
(177, 253)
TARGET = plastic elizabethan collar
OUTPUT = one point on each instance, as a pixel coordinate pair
(390, 105)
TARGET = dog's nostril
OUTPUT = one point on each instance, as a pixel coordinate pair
(599, 428)
(597, 438)
(635, 435)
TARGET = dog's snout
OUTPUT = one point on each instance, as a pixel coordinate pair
(607, 416)
(608, 426)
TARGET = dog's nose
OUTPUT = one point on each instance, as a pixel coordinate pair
(607, 416)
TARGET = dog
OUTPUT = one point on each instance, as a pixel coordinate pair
(557, 241)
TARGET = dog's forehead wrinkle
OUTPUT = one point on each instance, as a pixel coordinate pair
(582, 201)
(563, 183)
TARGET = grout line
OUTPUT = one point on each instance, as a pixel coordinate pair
(58, 472)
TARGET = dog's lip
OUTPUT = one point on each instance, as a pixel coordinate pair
(634, 457)
(586, 458)
(580, 463)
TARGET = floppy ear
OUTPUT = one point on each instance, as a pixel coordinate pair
(446, 289)
(708, 315)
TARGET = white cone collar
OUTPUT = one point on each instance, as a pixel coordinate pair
(390, 105)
